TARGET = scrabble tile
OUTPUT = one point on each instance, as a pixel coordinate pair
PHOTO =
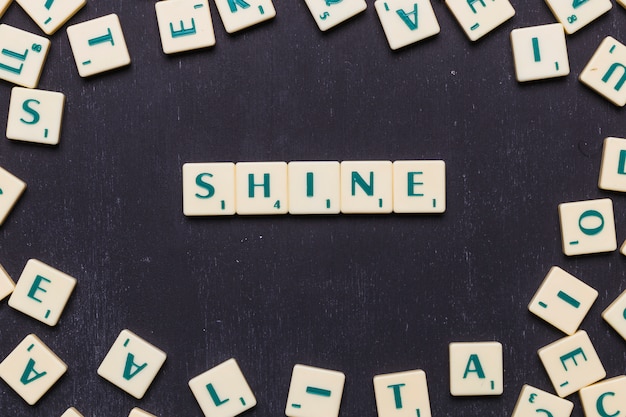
(11, 189)
(132, 364)
(587, 227)
(563, 300)
(71, 412)
(571, 363)
(575, 14)
(42, 292)
(533, 401)
(314, 187)
(402, 394)
(208, 188)
(615, 315)
(476, 368)
(98, 45)
(35, 115)
(479, 17)
(184, 25)
(613, 166)
(366, 187)
(314, 392)
(22, 56)
(138, 412)
(540, 52)
(419, 186)
(6, 284)
(4, 5)
(241, 14)
(32, 369)
(606, 71)
(622, 249)
(330, 13)
(605, 399)
(50, 15)
(261, 187)
(223, 391)
(406, 21)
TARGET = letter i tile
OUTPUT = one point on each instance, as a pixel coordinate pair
(402, 394)
(535, 402)
(605, 399)
(330, 13)
(406, 21)
(71, 412)
(22, 56)
(6, 284)
(35, 115)
(606, 71)
(587, 227)
(615, 315)
(314, 187)
(241, 14)
(476, 368)
(540, 52)
(314, 392)
(50, 15)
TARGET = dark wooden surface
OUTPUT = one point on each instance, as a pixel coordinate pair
(361, 294)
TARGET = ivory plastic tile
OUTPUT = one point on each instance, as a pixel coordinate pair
(605, 399)
(261, 187)
(476, 368)
(22, 56)
(615, 315)
(563, 300)
(138, 412)
(535, 402)
(32, 369)
(11, 189)
(314, 187)
(606, 71)
(98, 45)
(419, 186)
(223, 391)
(6, 284)
(366, 187)
(314, 392)
(479, 17)
(575, 14)
(208, 188)
(132, 364)
(406, 21)
(4, 5)
(571, 363)
(613, 166)
(330, 13)
(42, 292)
(35, 115)
(50, 15)
(240, 14)
(540, 52)
(402, 394)
(71, 412)
(184, 25)
(587, 227)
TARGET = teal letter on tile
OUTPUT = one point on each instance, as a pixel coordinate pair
(411, 23)
(15, 55)
(102, 39)
(478, 368)
(609, 73)
(183, 31)
(129, 373)
(210, 190)
(30, 111)
(600, 405)
(30, 369)
(572, 355)
(234, 3)
(593, 230)
(48, 4)
(396, 394)
(309, 184)
(471, 4)
(36, 287)
(265, 184)
(216, 398)
(358, 179)
(622, 162)
(412, 183)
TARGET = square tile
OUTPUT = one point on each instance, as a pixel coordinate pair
(479, 17)
(98, 45)
(540, 52)
(406, 21)
(587, 227)
(476, 368)
(563, 300)
(419, 186)
(32, 369)
(575, 14)
(138, 412)
(615, 315)
(6, 284)
(606, 71)
(71, 412)
(42, 292)
(241, 14)
(330, 13)
(314, 187)
(571, 363)
(261, 187)
(604, 399)
(223, 391)
(22, 56)
(613, 166)
(11, 189)
(402, 394)
(50, 15)
(184, 25)
(132, 364)
(208, 188)
(4, 5)
(533, 401)
(35, 115)
(314, 392)
(366, 187)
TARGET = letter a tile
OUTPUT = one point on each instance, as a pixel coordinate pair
(406, 21)
(476, 368)
(606, 71)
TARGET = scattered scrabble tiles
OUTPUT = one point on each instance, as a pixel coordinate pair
(72, 412)
(533, 401)
(314, 392)
(330, 13)
(402, 394)
(22, 56)
(476, 368)
(223, 391)
(241, 14)
(419, 186)
(98, 45)
(540, 52)
(604, 399)
(587, 227)
(32, 369)
(406, 21)
(11, 189)
(35, 115)
(50, 15)
(4, 5)
(138, 412)
(613, 167)
(479, 17)
(184, 25)
(615, 315)
(261, 188)
(367, 187)
(605, 72)
(576, 14)
(314, 187)
(6, 284)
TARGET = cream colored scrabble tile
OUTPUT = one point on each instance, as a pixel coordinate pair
(314, 392)
(615, 315)
(406, 21)
(132, 364)
(138, 412)
(241, 14)
(184, 25)
(208, 188)
(479, 17)
(606, 71)
(535, 402)
(571, 363)
(476, 368)
(605, 399)
(366, 187)
(71, 412)
(261, 187)
(11, 189)
(587, 227)
(42, 292)
(32, 369)
(562, 300)
(35, 115)
(314, 187)
(50, 15)
(402, 394)
(613, 167)
(540, 52)
(6, 284)
(575, 14)
(98, 45)
(223, 391)
(330, 13)
(22, 56)
(419, 186)
(4, 5)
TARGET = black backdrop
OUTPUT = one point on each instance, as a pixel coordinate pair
(363, 294)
